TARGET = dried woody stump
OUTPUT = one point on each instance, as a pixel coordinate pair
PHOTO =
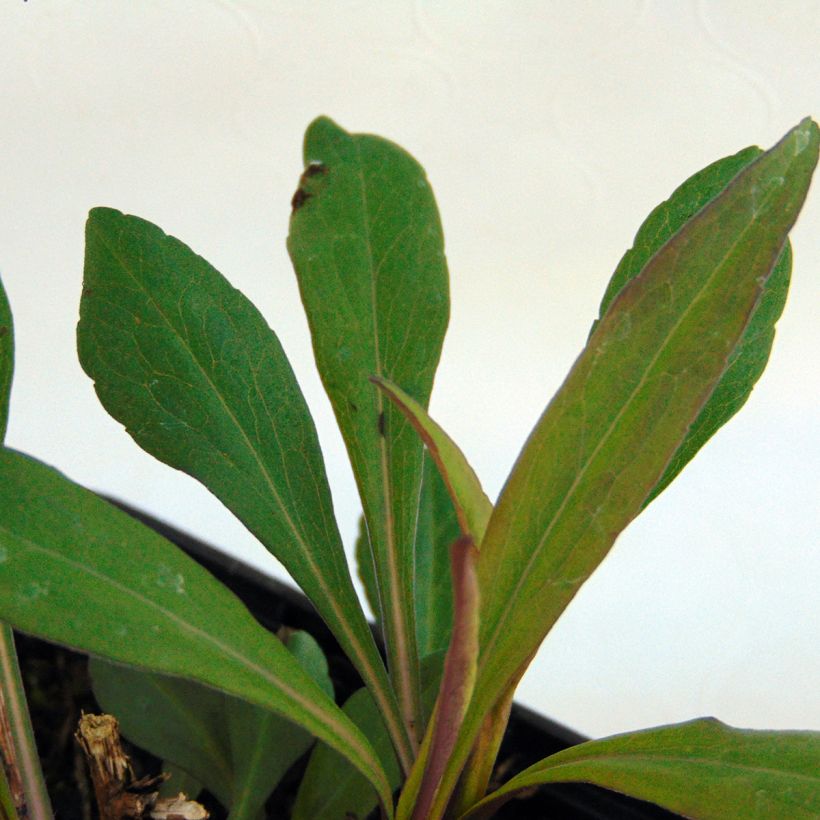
(119, 796)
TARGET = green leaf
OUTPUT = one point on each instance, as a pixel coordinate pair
(471, 504)
(238, 751)
(701, 769)
(199, 380)
(609, 433)
(459, 676)
(77, 571)
(748, 359)
(368, 250)
(6, 359)
(437, 529)
(331, 788)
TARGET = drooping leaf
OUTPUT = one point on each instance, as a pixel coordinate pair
(471, 504)
(608, 435)
(367, 247)
(199, 380)
(77, 571)
(6, 359)
(701, 769)
(748, 359)
(238, 751)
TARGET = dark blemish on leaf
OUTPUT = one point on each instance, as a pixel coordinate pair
(381, 424)
(353, 407)
(3, 331)
(299, 198)
(88, 291)
(314, 169)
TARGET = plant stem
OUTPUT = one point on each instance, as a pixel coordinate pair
(17, 747)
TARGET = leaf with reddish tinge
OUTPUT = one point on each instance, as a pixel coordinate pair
(701, 769)
(6, 359)
(748, 359)
(607, 436)
(471, 504)
(458, 678)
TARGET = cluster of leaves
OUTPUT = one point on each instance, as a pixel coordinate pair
(464, 591)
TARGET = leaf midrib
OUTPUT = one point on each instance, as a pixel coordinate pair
(397, 613)
(681, 759)
(304, 548)
(581, 473)
(123, 591)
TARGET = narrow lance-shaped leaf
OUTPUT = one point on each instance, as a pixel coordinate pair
(368, 250)
(458, 678)
(436, 531)
(471, 504)
(748, 359)
(199, 380)
(701, 769)
(77, 571)
(607, 436)
(238, 751)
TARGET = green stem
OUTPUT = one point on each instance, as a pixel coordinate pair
(17, 747)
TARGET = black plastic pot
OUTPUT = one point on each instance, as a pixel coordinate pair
(530, 737)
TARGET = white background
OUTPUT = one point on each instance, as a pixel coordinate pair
(549, 131)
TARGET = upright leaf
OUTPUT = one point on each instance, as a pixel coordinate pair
(472, 507)
(748, 359)
(238, 751)
(6, 359)
(458, 678)
(437, 529)
(608, 435)
(199, 380)
(367, 246)
(77, 571)
(701, 769)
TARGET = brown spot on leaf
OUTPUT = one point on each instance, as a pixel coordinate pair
(3, 331)
(381, 424)
(314, 169)
(299, 198)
